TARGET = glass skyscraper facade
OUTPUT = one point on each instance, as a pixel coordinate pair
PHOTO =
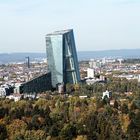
(62, 57)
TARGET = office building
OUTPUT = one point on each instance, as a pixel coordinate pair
(37, 85)
(90, 73)
(28, 62)
(62, 58)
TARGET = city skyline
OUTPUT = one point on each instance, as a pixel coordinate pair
(98, 25)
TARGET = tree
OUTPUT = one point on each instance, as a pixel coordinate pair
(35, 135)
(16, 129)
(134, 127)
(124, 108)
(116, 105)
(35, 123)
(3, 132)
(54, 131)
(68, 131)
(82, 137)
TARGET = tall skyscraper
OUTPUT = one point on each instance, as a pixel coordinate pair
(62, 57)
(28, 61)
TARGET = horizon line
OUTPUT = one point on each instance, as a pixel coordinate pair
(77, 51)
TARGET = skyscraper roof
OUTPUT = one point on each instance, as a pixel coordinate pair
(61, 32)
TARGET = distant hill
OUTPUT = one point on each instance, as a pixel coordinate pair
(19, 57)
(82, 55)
(125, 53)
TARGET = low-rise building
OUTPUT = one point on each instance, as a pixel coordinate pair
(107, 94)
(2, 92)
(15, 97)
(90, 73)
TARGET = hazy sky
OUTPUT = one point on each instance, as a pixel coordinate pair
(97, 24)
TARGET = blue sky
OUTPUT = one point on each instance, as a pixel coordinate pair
(97, 24)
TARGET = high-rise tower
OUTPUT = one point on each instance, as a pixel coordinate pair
(62, 57)
(28, 61)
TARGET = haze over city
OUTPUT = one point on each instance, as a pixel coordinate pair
(98, 24)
